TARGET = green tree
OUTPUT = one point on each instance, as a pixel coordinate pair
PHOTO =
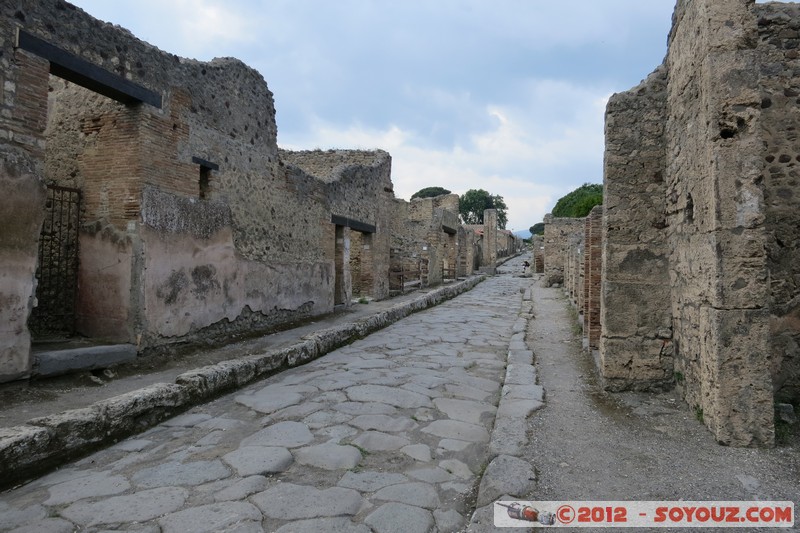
(472, 204)
(537, 229)
(430, 192)
(579, 202)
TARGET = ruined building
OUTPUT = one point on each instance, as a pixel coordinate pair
(426, 239)
(700, 283)
(146, 202)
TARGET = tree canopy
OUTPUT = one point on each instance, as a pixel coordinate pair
(430, 192)
(579, 202)
(472, 204)
(537, 229)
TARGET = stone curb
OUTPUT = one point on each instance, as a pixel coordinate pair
(508, 476)
(46, 442)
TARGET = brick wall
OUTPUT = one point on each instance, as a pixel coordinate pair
(593, 266)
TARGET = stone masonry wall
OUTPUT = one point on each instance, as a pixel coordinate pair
(574, 266)
(176, 249)
(537, 243)
(557, 232)
(715, 220)
(489, 241)
(23, 118)
(779, 38)
(635, 350)
(419, 240)
(358, 186)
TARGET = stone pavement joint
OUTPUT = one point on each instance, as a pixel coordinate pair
(509, 475)
(401, 431)
(46, 442)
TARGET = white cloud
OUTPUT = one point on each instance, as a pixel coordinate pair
(200, 29)
(529, 161)
(208, 25)
(463, 93)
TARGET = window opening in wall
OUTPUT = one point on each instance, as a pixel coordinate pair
(205, 176)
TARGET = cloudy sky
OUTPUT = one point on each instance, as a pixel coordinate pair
(502, 95)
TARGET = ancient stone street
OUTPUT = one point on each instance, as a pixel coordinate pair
(393, 432)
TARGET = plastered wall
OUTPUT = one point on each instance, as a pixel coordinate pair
(193, 226)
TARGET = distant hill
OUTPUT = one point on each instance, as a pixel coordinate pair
(523, 234)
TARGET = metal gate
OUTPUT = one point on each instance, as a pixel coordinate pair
(57, 273)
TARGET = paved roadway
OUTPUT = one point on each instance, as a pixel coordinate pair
(391, 433)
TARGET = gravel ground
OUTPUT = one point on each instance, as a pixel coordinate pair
(587, 444)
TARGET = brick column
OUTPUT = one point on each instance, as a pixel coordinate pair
(594, 273)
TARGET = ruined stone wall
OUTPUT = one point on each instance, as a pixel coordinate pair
(424, 236)
(715, 219)
(23, 117)
(466, 251)
(490, 235)
(557, 233)
(451, 250)
(537, 245)
(191, 224)
(778, 26)
(574, 266)
(635, 350)
(358, 186)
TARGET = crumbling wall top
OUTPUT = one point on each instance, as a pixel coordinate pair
(248, 118)
(332, 165)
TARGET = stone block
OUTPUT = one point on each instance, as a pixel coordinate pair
(55, 362)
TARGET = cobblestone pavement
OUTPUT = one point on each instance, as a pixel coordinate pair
(391, 433)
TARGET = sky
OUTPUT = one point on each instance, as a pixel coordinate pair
(507, 96)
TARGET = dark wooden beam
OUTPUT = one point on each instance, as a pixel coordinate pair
(205, 164)
(81, 72)
(449, 230)
(363, 227)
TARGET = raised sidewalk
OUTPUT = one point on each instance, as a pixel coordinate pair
(135, 403)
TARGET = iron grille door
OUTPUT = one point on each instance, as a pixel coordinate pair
(57, 272)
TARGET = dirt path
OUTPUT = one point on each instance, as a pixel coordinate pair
(591, 445)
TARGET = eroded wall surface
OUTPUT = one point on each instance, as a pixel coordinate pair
(635, 347)
(778, 43)
(557, 235)
(192, 225)
(425, 236)
(21, 223)
(490, 240)
(23, 118)
(357, 185)
(699, 180)
(716, 219)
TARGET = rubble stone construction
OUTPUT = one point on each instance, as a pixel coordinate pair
(700, 231)
(146, 201)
